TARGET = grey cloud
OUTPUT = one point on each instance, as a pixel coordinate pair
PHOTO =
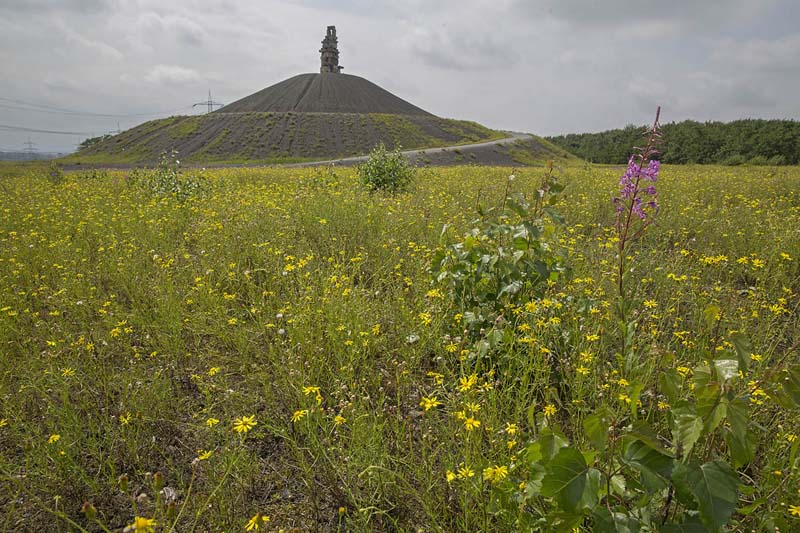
(618, 13)
(462, 50)
(77, 6)
(171, 75)
(184, 29)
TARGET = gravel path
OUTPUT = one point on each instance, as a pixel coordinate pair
(513, 137)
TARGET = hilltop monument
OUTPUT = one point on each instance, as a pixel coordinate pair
(329, 53)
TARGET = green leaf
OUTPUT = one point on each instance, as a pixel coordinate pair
(690, 525)
(714, 487)
(511, 289)
(701, 376)
(554, 215)
(546, 446)
(710, 406)
(726, 369)
(738, 436)
(790, 381)
(642, 457)
(606, 521)
(570, 481)
(670, 382)
(743, 349)
(687, 428)
(596, 428)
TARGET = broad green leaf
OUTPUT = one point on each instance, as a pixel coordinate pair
(670, 382)
(687, 428)
(790, 381)
(596, 428)
(554, 215)
(645, 433)
(606, 521)
(714, 487)
(738, 436)
(726, 369)
(544, 448)
(533, 486)
(567, 480)
(743, 349)
(562, 522)
(710, 406)
(701, 376)
(642, 457)
(516, 208)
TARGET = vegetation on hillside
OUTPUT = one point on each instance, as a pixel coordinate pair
(285, 349)
(277, 137)
(755, 142)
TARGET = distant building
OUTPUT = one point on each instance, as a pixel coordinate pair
(329, 53)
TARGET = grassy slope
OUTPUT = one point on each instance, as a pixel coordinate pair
(278, 137)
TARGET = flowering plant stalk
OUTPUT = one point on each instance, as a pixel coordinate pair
(637, 207)
(637, 203)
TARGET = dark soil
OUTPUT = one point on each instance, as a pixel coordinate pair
(276, 137)
(324, 93)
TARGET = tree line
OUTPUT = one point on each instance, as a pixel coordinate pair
(748, 141)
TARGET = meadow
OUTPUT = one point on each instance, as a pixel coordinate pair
(274, 353)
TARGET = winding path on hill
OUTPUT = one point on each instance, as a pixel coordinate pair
(415, 154)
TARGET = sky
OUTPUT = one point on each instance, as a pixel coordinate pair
(540, 66)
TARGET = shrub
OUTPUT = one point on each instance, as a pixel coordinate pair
(168, 178)
(386, 170)
(507, 259)
(734, 160)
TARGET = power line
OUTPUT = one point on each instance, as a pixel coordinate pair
(43, 108)
(6, 127)
(210, 103)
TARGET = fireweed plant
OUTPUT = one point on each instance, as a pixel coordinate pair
(636, 207)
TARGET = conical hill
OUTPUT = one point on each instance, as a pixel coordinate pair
(324, 93)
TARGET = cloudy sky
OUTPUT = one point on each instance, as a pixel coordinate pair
(543, 66)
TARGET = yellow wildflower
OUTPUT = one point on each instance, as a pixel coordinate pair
(471, 423)
(466, 383)
(141, 523)
(464, 472)
(244, 424)
(495, 474)
(256, 521)
(429, 403)
(299, 415)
